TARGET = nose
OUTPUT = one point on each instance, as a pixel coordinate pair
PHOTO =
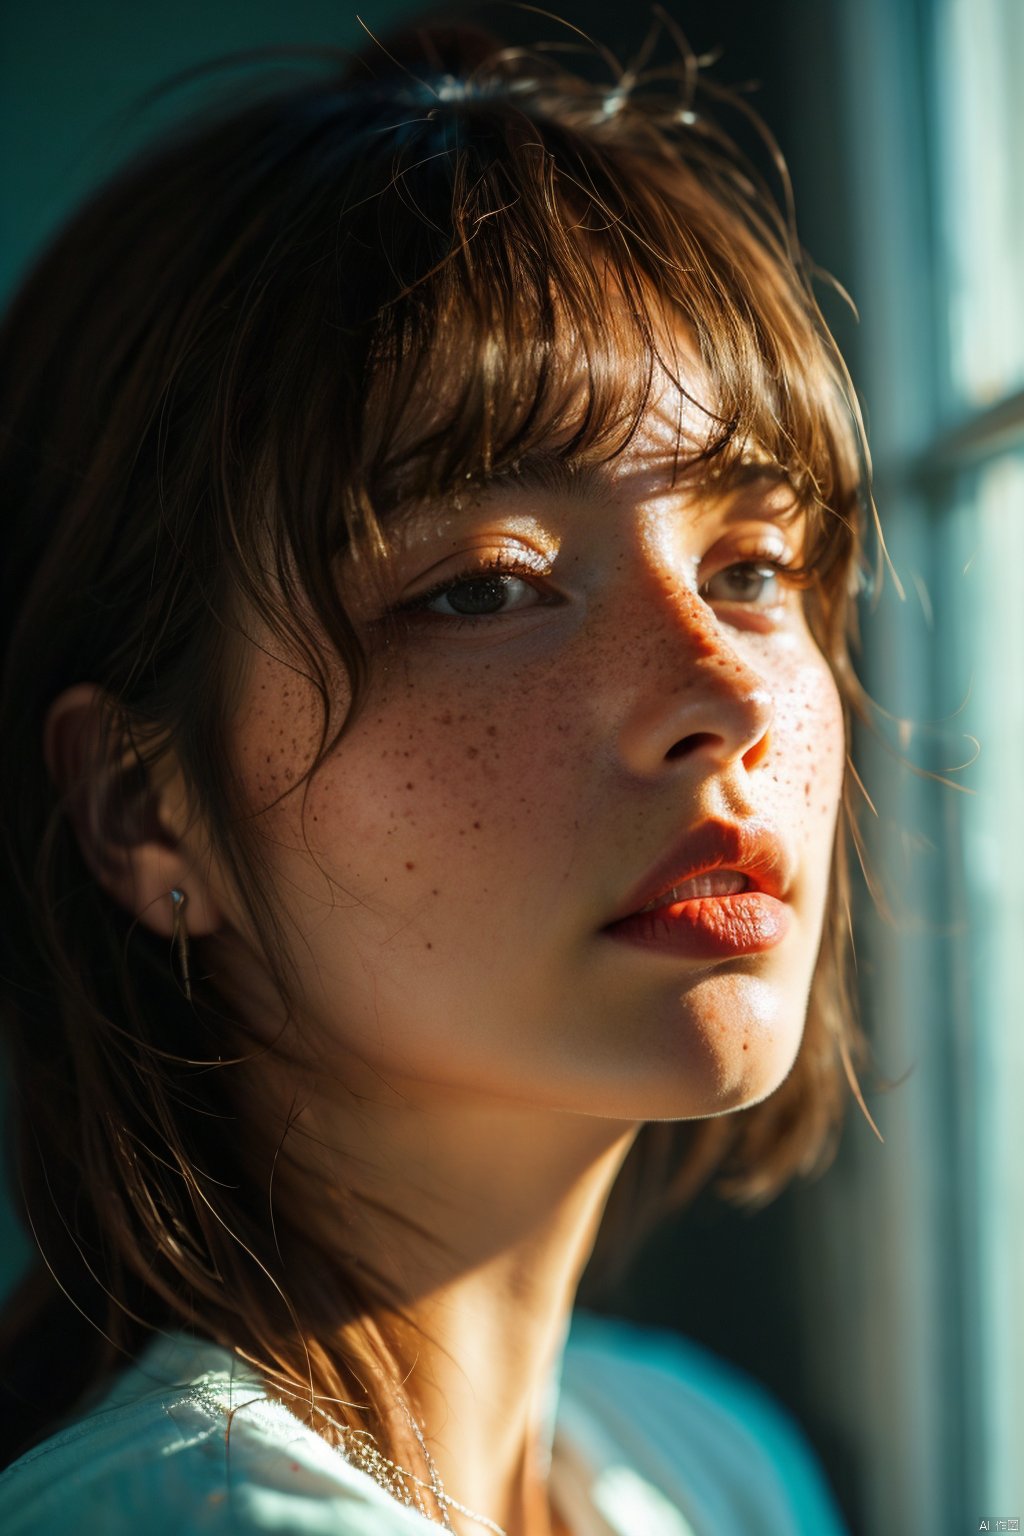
(701, 702)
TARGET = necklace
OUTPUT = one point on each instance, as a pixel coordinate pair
(360, 1450)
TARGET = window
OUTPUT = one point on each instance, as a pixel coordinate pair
(923, 1259)
(979, 60)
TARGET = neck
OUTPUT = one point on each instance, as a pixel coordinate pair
(482, 1217)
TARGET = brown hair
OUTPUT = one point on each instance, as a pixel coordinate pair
(211, 385)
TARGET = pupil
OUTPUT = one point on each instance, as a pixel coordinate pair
(748, 579)
(485, 596)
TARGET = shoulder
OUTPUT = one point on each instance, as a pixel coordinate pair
(207, 1452)
(713, 1442)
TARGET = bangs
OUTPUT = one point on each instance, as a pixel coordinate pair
(546, 285)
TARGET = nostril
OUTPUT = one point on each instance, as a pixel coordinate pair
(692, 743)
(757, 753)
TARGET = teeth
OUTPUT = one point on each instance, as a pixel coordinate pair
(717, 882)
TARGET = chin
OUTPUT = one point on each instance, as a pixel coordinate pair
(735, 1042)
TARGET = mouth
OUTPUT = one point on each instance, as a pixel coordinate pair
(720, 891)
(718, 882)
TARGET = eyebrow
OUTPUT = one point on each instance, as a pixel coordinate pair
(547, 472)
(540, 469)
(544, 470)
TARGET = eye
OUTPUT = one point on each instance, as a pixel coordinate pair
(757, 583)
(488, 592)
(481, 596)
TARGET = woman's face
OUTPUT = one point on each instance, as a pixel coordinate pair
(595, 693)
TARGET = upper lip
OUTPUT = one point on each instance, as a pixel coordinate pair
(751, 848)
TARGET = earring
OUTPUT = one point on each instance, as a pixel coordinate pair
(179, 938)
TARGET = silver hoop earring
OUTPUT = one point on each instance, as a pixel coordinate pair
(179, 938)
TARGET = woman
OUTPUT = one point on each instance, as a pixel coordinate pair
(432, 505)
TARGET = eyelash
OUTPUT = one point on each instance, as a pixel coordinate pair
(509, 565)
(779, 565)
(499, 565)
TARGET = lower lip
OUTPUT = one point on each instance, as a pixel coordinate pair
(708, 927)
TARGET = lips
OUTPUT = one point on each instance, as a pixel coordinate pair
(749, 849)
(720, 890)
(718, 882)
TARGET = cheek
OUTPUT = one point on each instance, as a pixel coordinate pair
(809, 749)
(276, 735)
(436, 783)
(429, 800)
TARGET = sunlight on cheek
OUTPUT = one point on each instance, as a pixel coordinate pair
(809, 751)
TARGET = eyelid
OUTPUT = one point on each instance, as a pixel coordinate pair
(764, 548)
(515, 559)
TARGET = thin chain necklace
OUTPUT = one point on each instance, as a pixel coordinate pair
(360, 1450)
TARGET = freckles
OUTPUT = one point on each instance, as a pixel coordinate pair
(809, 738)
(277, 733)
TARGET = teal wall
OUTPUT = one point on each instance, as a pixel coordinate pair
(72, 74)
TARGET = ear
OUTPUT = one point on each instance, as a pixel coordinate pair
(134, 835)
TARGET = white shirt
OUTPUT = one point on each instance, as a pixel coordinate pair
(651, 1436)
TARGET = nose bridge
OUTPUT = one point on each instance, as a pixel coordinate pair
(696, 692)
